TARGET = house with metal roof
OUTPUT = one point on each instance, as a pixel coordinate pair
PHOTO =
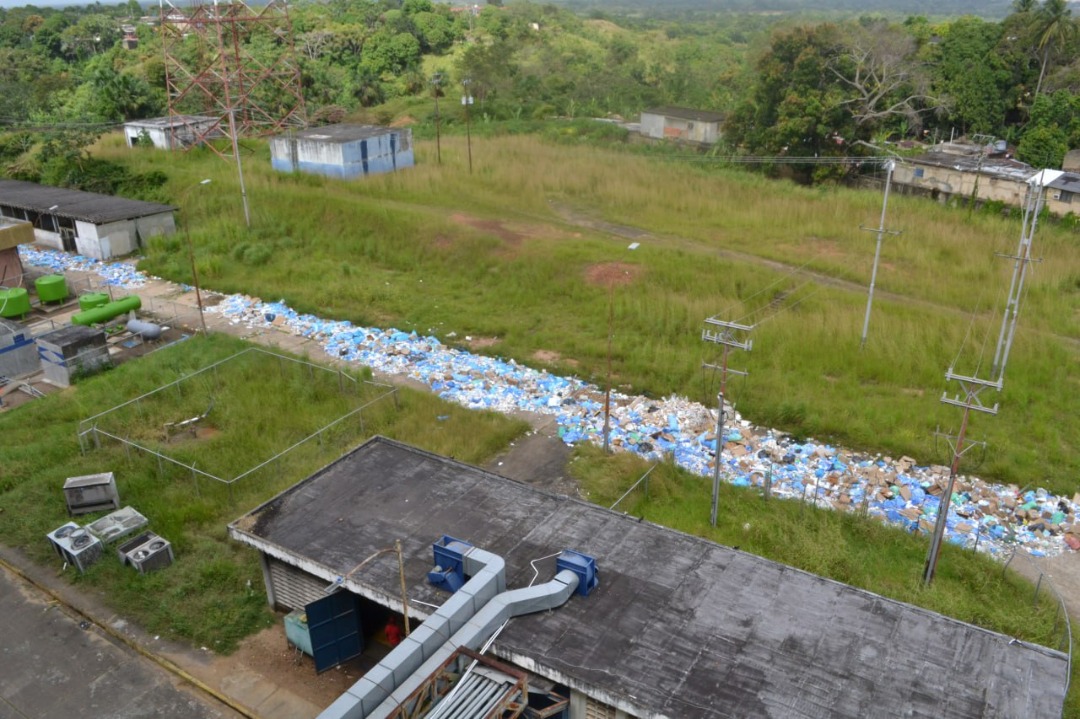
(92, 224)
(343, 151)
(682, 123)
(1063, 194)
(675, 626)
(952, 170)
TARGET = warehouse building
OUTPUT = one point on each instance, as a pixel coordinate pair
(343, 151)
(677, 627)
(91, 224)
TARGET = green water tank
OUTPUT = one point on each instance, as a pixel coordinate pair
(51, 288)
(97, 315)
(14, 302)
(92, 299)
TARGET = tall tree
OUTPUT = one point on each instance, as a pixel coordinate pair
(1055, 27)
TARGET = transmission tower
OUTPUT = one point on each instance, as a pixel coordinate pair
(972, 387)
(211, 67)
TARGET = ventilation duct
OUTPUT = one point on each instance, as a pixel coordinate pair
(467, 619)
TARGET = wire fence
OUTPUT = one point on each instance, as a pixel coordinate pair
(91, 434)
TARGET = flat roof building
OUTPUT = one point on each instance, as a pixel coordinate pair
(678, 627)
(344, 151)
(92, 224)
(173, 132)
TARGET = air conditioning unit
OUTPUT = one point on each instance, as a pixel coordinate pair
(76, 546)
(58, 538)
(117, 525)
(147, 552)
(1055, 195)
(91, 493)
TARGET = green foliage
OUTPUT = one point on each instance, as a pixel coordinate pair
(1043, 147)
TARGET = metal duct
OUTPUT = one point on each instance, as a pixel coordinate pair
(488, 573)
(501, 608)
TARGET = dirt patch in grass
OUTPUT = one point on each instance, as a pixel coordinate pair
(609, 274)
(479, 343)
(492, 227)
(552, 357)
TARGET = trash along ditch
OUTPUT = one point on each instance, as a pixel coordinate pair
(988, 517)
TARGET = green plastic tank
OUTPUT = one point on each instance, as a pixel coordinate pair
(92, 299)
(97, 315)
(14, 302)
(51, 288)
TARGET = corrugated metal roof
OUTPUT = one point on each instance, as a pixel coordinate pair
(686, 113)
(990, 166)
(75, 204)
(679, 626)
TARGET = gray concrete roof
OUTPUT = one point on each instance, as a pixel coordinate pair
(75, 204)
(171, 121)
(679, 626)
(342, 133)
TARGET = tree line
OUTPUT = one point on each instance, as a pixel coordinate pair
(790, 84)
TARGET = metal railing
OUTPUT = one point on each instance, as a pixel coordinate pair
(89, 432)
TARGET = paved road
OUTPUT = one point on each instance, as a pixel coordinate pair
(54, 664)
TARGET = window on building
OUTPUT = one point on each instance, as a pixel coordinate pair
(919, 172)
(1066, 196)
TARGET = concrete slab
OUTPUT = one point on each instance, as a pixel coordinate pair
(56, 663)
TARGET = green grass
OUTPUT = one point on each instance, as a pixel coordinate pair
(212, 596)
(491, 254)
(844, 546)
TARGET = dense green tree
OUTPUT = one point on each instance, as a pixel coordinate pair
(1043, 147)
(972, 78)
(1054, 28)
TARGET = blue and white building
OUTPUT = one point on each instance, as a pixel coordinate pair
(344, 151)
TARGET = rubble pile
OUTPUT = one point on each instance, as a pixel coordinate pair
(988, 517)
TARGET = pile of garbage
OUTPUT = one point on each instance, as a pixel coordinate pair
(987, 517)
(118, 274)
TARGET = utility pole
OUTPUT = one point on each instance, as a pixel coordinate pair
(610, 335)
(436, 82)
(987, 141)
(727, 336)
(889, 167)
(973, 386)
(467, 100)
(1033, 202)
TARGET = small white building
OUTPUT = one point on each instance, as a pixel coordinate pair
(344, 151)
(682, 123)
(173, 132)
(94, 225)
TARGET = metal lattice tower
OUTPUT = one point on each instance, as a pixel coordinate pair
(211, 67)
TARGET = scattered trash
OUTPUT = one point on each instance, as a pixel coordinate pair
(988, 517)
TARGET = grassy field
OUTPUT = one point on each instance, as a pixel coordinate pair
(212, 596)
(508, 252)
